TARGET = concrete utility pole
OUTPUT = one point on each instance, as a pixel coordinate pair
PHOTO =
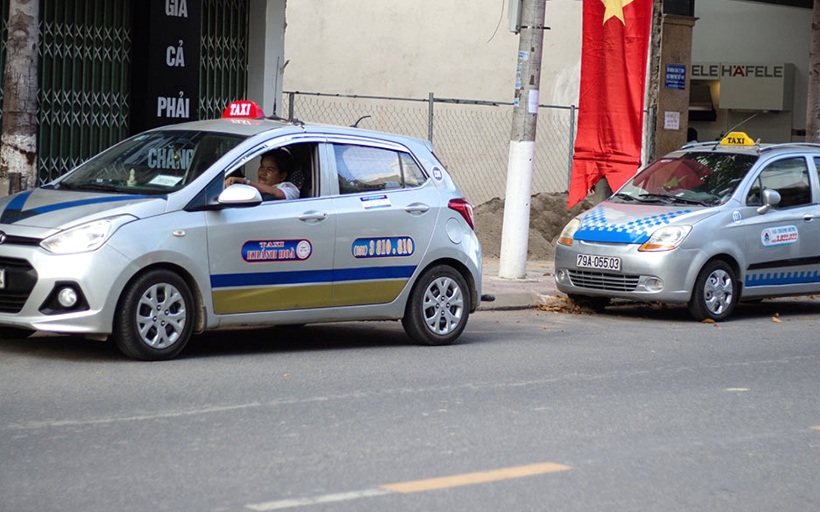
(813, 101)
(516, 227)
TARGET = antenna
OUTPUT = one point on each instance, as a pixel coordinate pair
(356, 124)
(733, 128)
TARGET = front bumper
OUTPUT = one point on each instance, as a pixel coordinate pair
(97, 275)
(666, 276)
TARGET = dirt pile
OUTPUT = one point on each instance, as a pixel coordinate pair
(548, 216)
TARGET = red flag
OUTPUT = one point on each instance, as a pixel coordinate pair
(610, 107)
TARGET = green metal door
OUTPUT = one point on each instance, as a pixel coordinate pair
(85, 73)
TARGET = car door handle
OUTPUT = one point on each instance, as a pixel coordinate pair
(417, 208)
(313, 216)
(807, 218)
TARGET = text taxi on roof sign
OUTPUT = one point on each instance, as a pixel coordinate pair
(708, 225)
(145, 243)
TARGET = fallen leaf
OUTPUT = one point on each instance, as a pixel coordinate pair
(777, 320)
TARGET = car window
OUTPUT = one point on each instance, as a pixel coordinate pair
(413, 175)
(789, 177)
(363, 169)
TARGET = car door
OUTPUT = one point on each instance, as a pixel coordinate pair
(275, 256)
(782, 245)
(386, 210)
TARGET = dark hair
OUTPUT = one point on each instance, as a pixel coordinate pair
(284, 160)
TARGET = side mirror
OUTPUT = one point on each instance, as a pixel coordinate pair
(770, 198)
(240, 195)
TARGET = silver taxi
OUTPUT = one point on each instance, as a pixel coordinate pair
(708, 225)
(146, 245)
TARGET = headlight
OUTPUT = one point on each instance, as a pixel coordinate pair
(666, 239)
(568, 232)
(85, 237)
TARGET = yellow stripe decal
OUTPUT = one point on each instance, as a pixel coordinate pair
(302, 296)
(370, 292)
(271, 298)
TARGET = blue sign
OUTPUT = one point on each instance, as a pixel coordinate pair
(675, 77)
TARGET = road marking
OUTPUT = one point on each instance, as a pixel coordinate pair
(816, 427)
(476, 478)
(430, 484)
(327, 498)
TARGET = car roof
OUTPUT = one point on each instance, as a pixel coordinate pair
(756, 150)
(251, 127)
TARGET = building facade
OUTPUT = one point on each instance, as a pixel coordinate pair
(109, 69)
(463, 49)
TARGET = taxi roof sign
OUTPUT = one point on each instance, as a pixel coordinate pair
(737, 139)
(243, 109)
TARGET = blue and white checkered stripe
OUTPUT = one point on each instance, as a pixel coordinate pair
(607, 225)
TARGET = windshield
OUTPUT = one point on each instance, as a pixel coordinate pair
(152, 163)
(707, 179)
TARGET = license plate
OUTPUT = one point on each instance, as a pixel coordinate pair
(598, 262)
(2, 278)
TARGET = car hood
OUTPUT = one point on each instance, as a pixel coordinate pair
(58, 209)
(633, 224)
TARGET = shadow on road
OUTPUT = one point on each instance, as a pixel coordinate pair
(775, 308)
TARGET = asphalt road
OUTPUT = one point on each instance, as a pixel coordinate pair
(636, 409)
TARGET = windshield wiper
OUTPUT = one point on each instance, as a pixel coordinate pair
(104, 186)
(674, 199)
(625, 197)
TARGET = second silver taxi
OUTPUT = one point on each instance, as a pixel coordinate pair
(708, 225)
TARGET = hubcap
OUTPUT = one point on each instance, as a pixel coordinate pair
(443, 305)
(161, 316)
(718, 292)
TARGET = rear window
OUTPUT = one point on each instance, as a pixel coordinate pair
(364, 169)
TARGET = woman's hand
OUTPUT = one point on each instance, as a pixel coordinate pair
(232, 180)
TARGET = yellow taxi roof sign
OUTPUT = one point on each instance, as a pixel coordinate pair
(737, 139)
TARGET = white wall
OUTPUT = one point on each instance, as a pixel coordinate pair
(752, 32)
(266, 34)
(409, 48)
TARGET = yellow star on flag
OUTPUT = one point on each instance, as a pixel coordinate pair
(615, 8)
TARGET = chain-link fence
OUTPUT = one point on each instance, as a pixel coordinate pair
(472, 138)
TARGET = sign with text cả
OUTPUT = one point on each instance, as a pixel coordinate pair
(168, 59)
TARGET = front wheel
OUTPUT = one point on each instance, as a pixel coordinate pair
(715, 293)
(438, 308)
(155, 318)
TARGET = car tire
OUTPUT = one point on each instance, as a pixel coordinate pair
(8, 333)
(156, 317)
(438, 308)
(715, 293)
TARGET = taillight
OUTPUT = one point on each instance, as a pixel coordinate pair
(464, 208)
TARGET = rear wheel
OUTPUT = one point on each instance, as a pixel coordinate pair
(156, 317)
(438, 308)
(715, 293)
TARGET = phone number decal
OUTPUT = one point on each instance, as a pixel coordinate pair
(383, 247)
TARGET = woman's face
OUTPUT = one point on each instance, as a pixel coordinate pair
(269, 173)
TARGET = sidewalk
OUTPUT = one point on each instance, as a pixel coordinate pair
(536, 288)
